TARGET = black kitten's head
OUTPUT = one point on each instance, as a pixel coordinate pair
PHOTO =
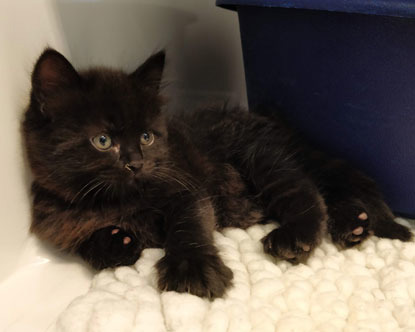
(94, 131)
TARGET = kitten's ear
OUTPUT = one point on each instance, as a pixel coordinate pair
(51, 74)
(150, 72)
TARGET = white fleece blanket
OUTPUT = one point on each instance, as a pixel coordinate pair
(370, 288)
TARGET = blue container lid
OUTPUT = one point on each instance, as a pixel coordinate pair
(401, 8)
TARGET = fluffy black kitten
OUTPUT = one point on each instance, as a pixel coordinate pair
(113, 175)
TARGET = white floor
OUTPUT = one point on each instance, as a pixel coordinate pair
(42, 286)
(46, 282)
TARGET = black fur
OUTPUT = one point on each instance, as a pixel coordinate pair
(204, 170)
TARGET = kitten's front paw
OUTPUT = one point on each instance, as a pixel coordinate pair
(203, 275)
(110, 247)
(290, 244)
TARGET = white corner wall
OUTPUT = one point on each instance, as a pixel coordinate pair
(202, 41)
(25, 27)
(204, 63)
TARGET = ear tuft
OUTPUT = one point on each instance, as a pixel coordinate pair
(149, 74)
(52, 73)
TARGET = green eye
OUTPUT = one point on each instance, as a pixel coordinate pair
(147, 138)
(102, 142)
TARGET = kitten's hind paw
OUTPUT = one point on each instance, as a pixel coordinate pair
(290, 244)
(392, 230)
(349, 226)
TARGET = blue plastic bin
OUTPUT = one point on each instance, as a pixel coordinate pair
(344, 73)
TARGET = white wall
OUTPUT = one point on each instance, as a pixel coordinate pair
(204, 62)
(202, 41)
(25, 26)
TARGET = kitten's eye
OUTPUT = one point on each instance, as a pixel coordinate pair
(102, 142)
(147, 138)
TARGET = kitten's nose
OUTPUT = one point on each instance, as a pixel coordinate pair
(134, 167)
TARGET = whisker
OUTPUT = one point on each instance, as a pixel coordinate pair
(169, 176)
(109, 185)
(80, 191)
(100, 188)
(84, 195)
(177, 175)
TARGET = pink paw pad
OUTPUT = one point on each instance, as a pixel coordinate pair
(306, 247)
(363, 216)
(126, 240)
(358, 230)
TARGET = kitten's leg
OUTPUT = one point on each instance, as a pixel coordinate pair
(355, 206)
(265, 153)
(99, 242)
(191, 263)
(296, 203)
(110, 247)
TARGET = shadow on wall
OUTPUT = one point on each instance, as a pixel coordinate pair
(124, 33)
